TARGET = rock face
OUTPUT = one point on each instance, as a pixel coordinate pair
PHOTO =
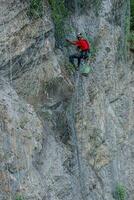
(65, 137)
(21, 139)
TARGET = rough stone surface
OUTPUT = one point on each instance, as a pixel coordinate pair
(65, 137)
(21, 138)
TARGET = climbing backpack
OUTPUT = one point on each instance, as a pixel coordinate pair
(85, 69)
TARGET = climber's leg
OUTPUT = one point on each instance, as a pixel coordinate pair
(79, 58)
(74, 56)
(83, 55)
(79, 61)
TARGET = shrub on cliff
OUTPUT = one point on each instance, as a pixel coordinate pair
(35, 8)
(132, 15)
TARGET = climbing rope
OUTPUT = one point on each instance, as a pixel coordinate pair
(75, 103)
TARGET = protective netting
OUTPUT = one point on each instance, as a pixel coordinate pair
(78, 96)
(71, 118)
(15, 67)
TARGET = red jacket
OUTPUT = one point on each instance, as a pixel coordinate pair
(82, 44)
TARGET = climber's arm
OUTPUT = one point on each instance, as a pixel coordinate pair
(72, 42)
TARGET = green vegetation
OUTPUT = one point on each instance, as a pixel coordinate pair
(36, 8)
(52, 84)
(19, 197)
(95, 5)
(120, 192)
(131, 40)
(59, 13)
(132, 15)
(23, 121)
(131, 35)
(70, 68)
(47, 115)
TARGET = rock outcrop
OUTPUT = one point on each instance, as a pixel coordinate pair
(65, 137)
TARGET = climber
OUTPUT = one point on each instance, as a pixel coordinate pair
(83, 48)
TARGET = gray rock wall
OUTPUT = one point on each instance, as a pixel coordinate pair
(64, 137)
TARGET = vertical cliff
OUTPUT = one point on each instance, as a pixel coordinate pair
(63, 135)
